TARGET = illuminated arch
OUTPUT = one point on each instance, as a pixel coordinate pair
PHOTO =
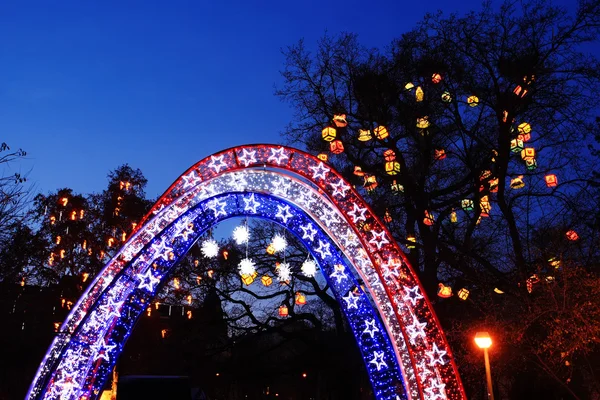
(310, 189)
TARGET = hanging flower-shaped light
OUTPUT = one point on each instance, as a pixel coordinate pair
(246, 267)
(284, 272)
(241, 234)
(309, 268)
(210, 248)
(279, 243)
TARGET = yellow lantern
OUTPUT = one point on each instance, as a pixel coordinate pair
(381, 132)
(392, 167)
(444, 291)
(419, 95)
(266, 280)
(396, 187)
(446, 97)
(270, 249)
(423, 123)
(329, 134)
(528, 153)
(364, 135)
(339, 120)
(409, 86)
(516, 145)
(411, 241)
(524, 128)
(247, 279)
(64, 201)
(517, 183)
(453, 217)
(473, 101)
(463, 294)
(323, 157)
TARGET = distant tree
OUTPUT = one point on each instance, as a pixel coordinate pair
(434, 130)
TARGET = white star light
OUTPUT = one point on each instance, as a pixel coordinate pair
(320, 171)
(161, 248)
(279, 243)
(416, 329)
(147, 280)
(217, 207)
(391, 268)
(349, 237)
(378, 239)
(278, 155)
(436, 356)
(210, 248)
(241, 234)
(190, 180)
(338, 274)
(250, 204)
(329, 216)
(281, 188)
(308, 232)
(357, 213)
(323, 249)
(100, 350)
(351, 300)
(435, 390)
(412, 295)
(217, 163)
(371, 328)
(378, 360)
(247, 157)
(283, 213)
(284, 272)
(309, 268)
(340, 188)
(185, 229)
(424, 370)
(111, 309)
(247, 267)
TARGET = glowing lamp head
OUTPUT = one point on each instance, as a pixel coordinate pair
(483, 340)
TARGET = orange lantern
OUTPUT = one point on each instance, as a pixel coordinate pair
(339, 120)
(336, 147)
(64, 201)
(528, 154)
(358, 171)
(283, 310)
(329, 134)
(381, 132)
(436, 78)
(444, 291)
(389, 155)
(551, 180)
(429, 218)
(519, 91)
(439, 154)
(300, 299)
(370, 182)
(387, 217)
(572, 235)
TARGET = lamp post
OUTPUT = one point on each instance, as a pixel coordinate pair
(484, 341)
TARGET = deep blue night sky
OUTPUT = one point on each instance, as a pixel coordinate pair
(88, 86)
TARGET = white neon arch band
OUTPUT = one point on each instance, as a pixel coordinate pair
(399, 283)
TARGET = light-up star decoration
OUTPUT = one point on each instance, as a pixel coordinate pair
(101, 350)
(308, 232)
(351, 300)
(435, 390)
(147, 280)
(217, 207)
(358, 213)
(378, 239)
(436, 356)
(371, 328)
(320, 171)
(250, 204)
(340, 188)
(278, 156)
(338, 274)
(416, 330)
(248, 157)
(378, 360)
(217, 163)
(412, 295)
(283, 212)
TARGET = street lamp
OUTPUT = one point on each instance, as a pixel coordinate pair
(484, 341)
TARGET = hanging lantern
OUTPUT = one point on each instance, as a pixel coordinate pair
(387, 217)
(524, 128)
(266, 280)
(419, 95)
(411, 241)
(328, 134)
(423, 123)
(446, 97)
(444, 291)
(439, 154)
(396, 187)
(498, 291)
(528, 153)
(283, 310)
(270, 249)
(364, 135)
(300, 299)
(463, 294)
(176, 283)
(524, 137)
(336, 147)
(247, 279)
(370, 182)
(64, 201)
(358, 171)
(389, 155)
(485, 206)
(520, 91)
(381, 132)
(339, 120)
(409, 86)
(531, 164)
(572, 235)
(436, 78)
(551, 180)
(453, 217)
(493, 185)
(429, 218)
(516, 145)
(392, 167)
(473, 101)
(467, 204)
(323, 157)
(517, 183)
